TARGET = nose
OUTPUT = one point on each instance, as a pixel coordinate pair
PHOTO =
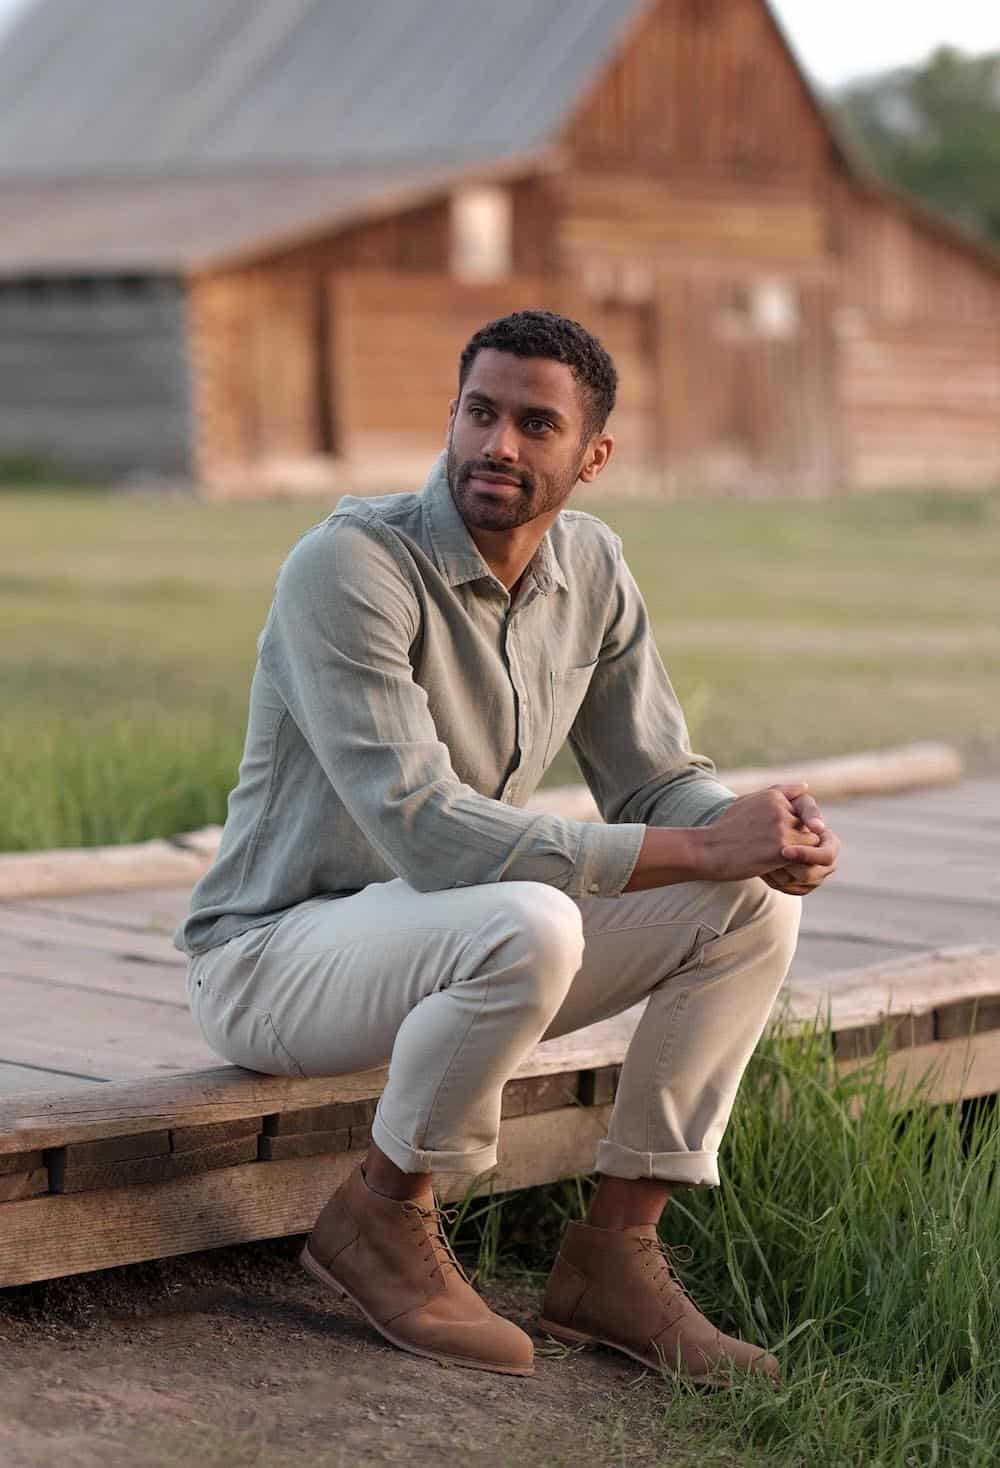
(501, 444)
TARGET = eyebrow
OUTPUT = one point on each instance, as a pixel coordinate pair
(528, 410)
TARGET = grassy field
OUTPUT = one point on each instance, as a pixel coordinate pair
(791, 630)
(858, 1245)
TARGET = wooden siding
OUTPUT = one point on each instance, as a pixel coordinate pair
(93, 376)
(264, 391)
(624, 217)
(921, 406)
(899, 268)
(744, 411)
(704, 87)
(253, 355)
(919, 349)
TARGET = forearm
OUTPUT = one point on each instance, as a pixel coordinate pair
(668, 855)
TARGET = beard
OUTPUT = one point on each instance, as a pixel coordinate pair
(534, 496)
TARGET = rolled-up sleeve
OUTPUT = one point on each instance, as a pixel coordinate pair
(630, 737)
(337, 649)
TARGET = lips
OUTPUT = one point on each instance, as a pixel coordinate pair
(494, 481)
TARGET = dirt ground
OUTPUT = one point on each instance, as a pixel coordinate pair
(234, 1357)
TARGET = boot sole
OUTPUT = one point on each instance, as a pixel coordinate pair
(312, 1266)
(569, 1337)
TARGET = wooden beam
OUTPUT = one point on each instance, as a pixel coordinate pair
(945, 1071)
(42, 1238)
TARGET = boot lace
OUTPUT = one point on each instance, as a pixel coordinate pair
(661, 1259)
(429, 1224)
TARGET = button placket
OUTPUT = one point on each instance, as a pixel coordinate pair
(524, 711)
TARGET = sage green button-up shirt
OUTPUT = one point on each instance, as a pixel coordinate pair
(404, 708)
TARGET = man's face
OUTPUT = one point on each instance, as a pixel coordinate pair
(516, 442)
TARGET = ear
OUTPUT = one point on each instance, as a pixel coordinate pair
(452, 410)
(599, 451)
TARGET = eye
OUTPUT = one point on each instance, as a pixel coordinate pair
(477, 412)
(537, 425)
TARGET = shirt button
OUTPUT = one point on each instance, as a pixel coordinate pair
(594, 889)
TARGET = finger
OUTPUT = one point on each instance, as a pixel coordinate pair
(823, 855)
(781, 882)
(793, 790)
(808, 812)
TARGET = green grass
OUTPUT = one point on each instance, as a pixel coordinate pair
(859, 1244)
(790, 629)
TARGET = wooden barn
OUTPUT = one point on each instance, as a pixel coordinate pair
(243, 243)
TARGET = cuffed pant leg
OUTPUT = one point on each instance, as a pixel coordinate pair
(712, 959)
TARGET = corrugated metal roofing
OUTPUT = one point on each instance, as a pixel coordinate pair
(161, 88)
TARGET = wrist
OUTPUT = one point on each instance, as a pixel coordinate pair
(669, 854)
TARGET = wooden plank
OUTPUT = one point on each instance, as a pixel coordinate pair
(95, 973)
(305, 1144)
(150, 863)
(67, 1176)
(21, 1162)
(17, 1078)
(189, 1138)
(17, 1185)
(948, 1070)
(319, 1119)
(844, 909)
(104, 1034)
(916, 986)
(73, 1233)
(817, 957)
(143, 909)
(66, 932)
(219, 1094)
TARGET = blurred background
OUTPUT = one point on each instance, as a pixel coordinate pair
(241, 246)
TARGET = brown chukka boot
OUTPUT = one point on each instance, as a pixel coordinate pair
(393, 1261)
(616, 1288)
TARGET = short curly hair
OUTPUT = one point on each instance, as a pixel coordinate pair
(547, 334)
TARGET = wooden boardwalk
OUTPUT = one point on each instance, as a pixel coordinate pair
(92, 989)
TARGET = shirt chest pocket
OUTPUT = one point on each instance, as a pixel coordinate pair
(567, 689)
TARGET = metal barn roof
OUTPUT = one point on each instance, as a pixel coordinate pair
(161, 88)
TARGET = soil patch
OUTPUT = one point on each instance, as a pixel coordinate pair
(236, 1358)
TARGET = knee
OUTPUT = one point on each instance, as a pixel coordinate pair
(775, 916)
(546, 930)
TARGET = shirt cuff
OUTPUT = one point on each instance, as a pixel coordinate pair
(607, 858)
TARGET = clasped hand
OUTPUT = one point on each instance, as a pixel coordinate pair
(777, 834)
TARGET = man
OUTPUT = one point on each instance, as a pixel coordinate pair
(382, 894)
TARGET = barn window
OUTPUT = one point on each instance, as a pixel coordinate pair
(774, 309)
(481, 234)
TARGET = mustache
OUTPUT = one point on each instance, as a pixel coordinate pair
(472, 467)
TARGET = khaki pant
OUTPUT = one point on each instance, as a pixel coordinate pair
(454, 988)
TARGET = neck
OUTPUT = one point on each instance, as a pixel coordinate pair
(508, 552)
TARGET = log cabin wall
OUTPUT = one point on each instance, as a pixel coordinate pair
(265, 392)
(919, 349)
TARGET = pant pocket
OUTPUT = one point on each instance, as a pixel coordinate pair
(246, 1036)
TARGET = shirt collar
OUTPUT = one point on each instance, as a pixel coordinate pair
(456, 552)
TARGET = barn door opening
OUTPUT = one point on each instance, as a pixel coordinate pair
(325, 385)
